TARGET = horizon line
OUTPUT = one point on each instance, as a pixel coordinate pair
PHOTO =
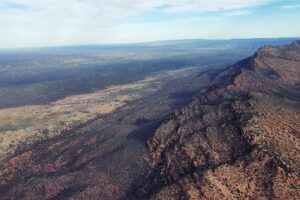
(140, 43)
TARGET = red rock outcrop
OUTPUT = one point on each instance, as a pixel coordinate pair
(240, 139)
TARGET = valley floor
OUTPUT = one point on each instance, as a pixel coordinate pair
(84, 141)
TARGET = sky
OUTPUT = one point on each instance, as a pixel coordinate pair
(38, 23)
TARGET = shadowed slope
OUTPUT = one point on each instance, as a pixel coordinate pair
(239, 139)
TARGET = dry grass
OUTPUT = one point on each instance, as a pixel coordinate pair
(29, 123)
(26, 124)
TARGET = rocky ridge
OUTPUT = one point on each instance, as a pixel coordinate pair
(239, 139)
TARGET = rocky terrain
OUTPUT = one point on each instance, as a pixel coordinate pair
(239, 139)
(102, 157)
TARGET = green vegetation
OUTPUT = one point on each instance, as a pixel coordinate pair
(257, 133)
(8, 127)
(22, 124)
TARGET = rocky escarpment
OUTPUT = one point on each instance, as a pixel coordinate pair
(240, 139)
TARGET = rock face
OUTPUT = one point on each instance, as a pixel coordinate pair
(240, 139)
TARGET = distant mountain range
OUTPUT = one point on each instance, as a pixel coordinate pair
(253, 42)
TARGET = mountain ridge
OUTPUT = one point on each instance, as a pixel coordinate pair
(239, 139)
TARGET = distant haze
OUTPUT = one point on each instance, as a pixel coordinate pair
(32, 23)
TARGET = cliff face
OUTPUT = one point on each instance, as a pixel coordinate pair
(239, 139)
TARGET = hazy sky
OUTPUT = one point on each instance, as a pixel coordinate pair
(28, 23)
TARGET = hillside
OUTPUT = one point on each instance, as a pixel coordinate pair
(239, 139)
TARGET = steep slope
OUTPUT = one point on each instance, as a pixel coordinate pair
(240, 139)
